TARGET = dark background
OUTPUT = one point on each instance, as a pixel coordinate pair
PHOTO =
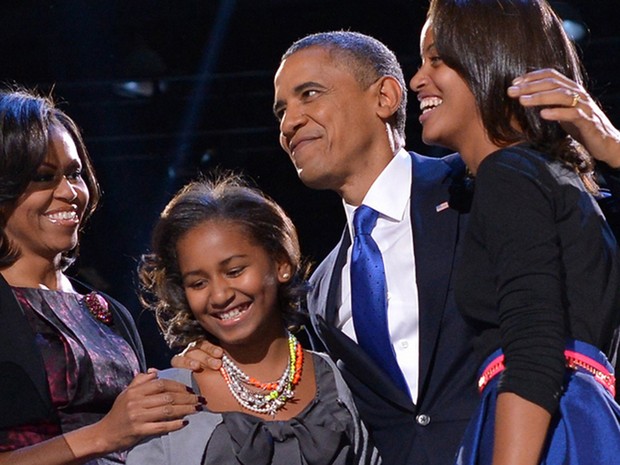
(205, 69)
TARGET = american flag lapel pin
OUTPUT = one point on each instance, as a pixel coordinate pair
(442, 206)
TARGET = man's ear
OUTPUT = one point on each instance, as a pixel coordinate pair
(390, 96)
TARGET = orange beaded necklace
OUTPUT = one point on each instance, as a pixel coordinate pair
(265, 397)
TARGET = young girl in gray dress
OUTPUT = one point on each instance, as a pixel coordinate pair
(225, 266)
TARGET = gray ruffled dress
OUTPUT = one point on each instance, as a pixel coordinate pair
(327, 432)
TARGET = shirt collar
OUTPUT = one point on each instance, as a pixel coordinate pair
(389, 194)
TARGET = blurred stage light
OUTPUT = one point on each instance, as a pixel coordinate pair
(572, 21)
(576, 31)
(139, 89)
(143, 67)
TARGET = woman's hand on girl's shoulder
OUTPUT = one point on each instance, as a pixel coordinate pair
(148, 406)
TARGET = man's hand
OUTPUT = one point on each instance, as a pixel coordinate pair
(199, 355)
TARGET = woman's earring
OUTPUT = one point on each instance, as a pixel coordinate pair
(285, 276)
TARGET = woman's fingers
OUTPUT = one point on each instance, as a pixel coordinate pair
(547, 88)
(156, 393)
(563, 100)
(148, 406)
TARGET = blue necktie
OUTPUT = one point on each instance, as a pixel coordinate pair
(368, 297)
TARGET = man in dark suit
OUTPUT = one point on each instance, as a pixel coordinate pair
(340, 98)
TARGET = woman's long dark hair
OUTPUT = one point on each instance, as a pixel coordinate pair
(491, 42)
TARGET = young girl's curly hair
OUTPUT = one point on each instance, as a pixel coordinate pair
(226, 198)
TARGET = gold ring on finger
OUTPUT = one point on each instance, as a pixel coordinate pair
(575, 101)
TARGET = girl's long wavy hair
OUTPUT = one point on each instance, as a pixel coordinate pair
(491, 42)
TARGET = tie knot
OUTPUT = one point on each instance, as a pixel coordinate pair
(364, 220)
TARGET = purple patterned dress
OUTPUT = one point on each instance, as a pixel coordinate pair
(87, 363)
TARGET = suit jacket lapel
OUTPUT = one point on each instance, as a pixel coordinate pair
(435, 235)
(335, 278)
(342, 347)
